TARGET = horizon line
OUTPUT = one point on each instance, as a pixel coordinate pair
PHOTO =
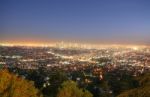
(52, 44)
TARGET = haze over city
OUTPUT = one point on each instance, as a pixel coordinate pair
(81, 21)
(74, 48)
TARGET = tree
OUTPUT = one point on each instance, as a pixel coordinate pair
(70, 89)
(142, 90)
(14, 86)
(56, 79)
(137, 92)
(120, 81)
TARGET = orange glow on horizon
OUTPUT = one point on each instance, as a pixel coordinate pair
(42, 44)
(30, 44)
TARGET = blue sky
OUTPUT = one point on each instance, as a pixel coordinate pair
(92, 21)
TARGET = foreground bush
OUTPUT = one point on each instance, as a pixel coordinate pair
(142, 91)
(14, 86)
(70, 89)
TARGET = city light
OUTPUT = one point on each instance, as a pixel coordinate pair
(135, 48)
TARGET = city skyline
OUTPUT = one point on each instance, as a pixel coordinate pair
(93, 22)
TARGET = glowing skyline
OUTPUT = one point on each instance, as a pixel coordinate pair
(81, 21)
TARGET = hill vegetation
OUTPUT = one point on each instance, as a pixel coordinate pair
(13, 86)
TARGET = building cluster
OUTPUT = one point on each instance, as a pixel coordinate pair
(92, 63)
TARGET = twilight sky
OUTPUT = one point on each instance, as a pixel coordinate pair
(89, 21)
